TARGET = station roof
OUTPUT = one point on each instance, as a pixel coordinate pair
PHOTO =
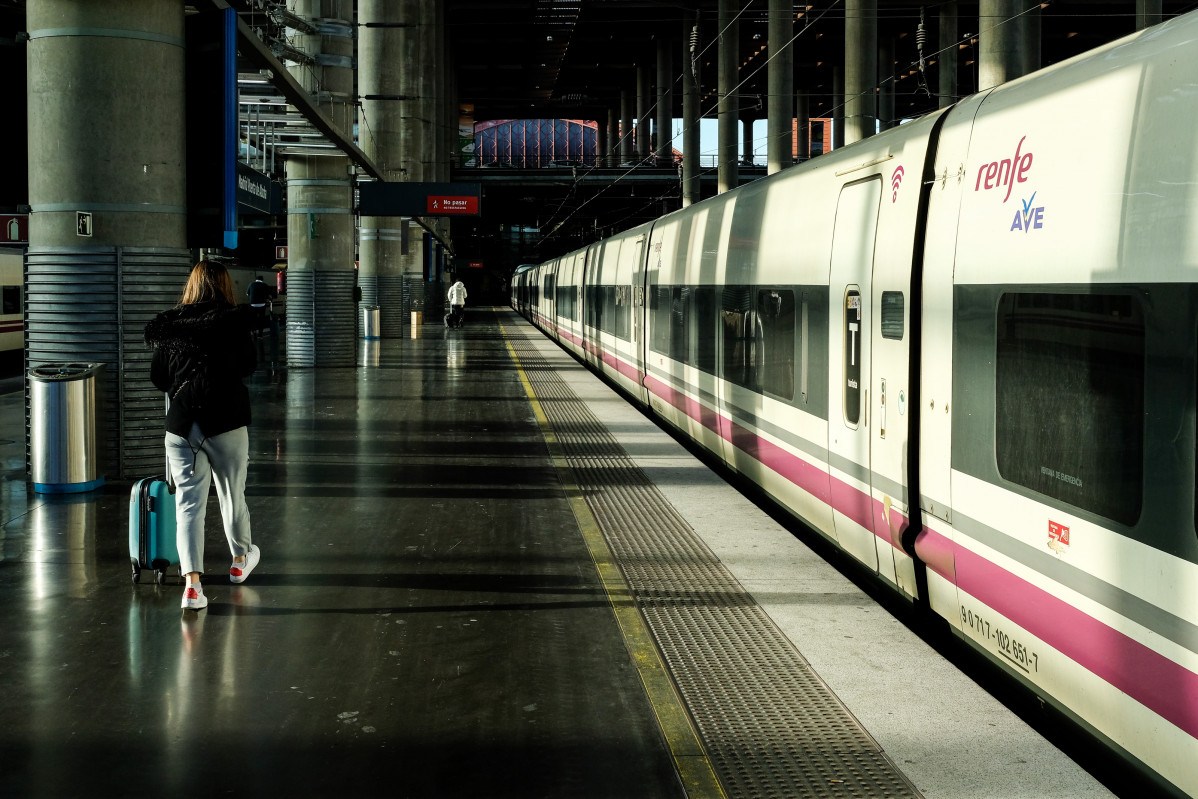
(547, 58)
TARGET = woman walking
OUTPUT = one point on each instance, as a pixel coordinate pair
(202, 350)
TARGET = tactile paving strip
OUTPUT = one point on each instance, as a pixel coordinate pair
(770, 725)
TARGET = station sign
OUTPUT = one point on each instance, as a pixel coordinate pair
(379, 198)
(257, 192)
(440, 206)
(14, 228)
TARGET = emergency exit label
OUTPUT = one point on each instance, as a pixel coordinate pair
(452, 205)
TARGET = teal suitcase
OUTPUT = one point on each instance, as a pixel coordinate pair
(152, 528)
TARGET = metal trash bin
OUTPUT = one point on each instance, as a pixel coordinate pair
(64, 452)
(370, 322)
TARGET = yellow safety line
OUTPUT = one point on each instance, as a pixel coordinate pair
(698, 777)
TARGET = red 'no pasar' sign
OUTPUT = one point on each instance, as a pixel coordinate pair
(453, 205)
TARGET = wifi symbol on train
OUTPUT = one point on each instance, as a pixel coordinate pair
(896, 180)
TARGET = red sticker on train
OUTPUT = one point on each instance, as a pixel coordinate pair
(1057, 534)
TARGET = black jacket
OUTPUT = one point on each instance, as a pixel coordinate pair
(201, 353)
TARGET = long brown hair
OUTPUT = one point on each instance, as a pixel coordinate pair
(209, 281)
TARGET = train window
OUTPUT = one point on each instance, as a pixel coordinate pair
(852, 356)
(740, 336)
(594, 309)
(776, 361)
(705, 325)
(565, 302)
(1069, 399)
(680, 323)
(550, 288)
(621, 303)
(660, 303)
(11, 299)
(892, 315)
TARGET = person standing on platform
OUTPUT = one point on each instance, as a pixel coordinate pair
(457, 304)
(202, 350)
(260, 296)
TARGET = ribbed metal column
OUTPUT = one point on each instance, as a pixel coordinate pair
(106, 137)
(92, 304)
(394, 312)
(321, 329)
(380, 44)
(320, 223)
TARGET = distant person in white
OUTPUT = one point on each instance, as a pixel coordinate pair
(457, 304)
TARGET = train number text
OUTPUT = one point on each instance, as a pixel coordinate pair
(1010, 649)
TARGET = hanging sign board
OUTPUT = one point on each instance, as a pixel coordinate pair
(419, 199)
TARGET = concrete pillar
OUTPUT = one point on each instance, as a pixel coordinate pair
(664, 141)
(747, 141)
(803, 125)
(600, 141)
(780, 106)
(1030, 32)
(626, 135)
(837, 107)
(439, 103)
(999, 59)
(380, 138)
(322, 310)
(690, 110)
(613, 137)
(886, 111)
(1148, 12)
(412, 131)
(642, 137)
(107, 134)
(729, 97)
(946, 63)
(860, 69)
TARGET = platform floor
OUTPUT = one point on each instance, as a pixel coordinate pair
(451, 602)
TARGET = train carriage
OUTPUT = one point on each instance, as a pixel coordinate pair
(965, 351)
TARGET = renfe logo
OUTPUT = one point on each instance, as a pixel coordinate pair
(1006, 172)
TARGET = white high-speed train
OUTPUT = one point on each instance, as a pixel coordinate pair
(966, 351)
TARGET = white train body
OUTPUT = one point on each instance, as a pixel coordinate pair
(12, 299)
(986, 316)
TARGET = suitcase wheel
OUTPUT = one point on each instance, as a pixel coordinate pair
(160, 574)
(136, 573)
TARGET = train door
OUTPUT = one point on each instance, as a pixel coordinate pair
(850, 282)
(637, 329)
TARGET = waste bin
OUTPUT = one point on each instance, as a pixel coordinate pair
(62, 430)
(370, 321)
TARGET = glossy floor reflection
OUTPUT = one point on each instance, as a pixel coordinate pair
(426, 620)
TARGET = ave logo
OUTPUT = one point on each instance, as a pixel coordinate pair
(1028, 217)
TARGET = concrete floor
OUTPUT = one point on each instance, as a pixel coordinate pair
(426, 620)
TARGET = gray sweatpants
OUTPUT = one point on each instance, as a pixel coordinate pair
(196, 463)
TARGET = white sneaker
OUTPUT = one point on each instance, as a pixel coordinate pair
(193, 598)
(239, 571)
